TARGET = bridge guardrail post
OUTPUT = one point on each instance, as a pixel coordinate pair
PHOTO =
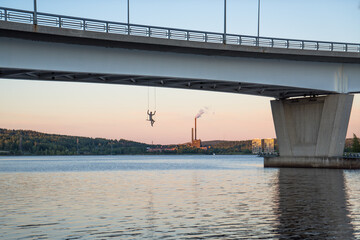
(346, 47)
(332, 46)
(5, 12)
(317, 45)
(84, 25)
(60, 22)
(107, 27)
(34, 19)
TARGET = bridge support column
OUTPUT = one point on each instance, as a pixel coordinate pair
(311, 131)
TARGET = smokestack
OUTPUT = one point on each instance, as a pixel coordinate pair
(192, 135)
(195, 130)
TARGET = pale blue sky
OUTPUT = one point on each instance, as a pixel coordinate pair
(98, 110)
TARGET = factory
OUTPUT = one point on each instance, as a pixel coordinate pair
(194, 141)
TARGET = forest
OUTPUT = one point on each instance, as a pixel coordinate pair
(27, 142)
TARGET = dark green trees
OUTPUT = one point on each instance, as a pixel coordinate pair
(24, 142)
(355, 144)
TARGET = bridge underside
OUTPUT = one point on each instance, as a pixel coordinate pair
(183, 83)
(56, 54)
(310, 131)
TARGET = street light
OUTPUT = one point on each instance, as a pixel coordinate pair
(128, 16)
(224, 38)
(258, 27)
(35, 13)
(128, 12)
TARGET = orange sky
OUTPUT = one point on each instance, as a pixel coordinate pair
(115, 111)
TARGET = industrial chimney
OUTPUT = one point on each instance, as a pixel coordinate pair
(195, 130)
(192, 135)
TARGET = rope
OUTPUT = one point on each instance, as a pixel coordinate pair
(155, 98)
(148, 95)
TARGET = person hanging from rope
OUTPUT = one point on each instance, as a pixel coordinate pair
(151, 114)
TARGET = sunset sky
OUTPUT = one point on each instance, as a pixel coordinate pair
(116, 111)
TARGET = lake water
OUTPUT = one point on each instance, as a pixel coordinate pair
(174, 197)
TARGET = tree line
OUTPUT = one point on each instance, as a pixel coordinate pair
(26, 142)
(355, 145)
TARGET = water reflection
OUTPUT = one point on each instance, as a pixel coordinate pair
(246, 202)
(312, 204)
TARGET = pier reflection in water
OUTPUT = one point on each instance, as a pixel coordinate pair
(312, 204)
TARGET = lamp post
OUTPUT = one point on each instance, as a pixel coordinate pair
(35, 13)
(128, 12)
(224, 37)
(128, 16)
(258, 26)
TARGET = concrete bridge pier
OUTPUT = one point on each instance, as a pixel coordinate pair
(311, 132)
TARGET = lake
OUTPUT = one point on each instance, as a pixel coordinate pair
(174, 197)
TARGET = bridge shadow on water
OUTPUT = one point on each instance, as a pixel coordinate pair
(312, 204)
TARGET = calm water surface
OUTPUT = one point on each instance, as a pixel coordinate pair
(174, 197)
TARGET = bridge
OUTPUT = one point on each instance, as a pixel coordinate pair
(312, 81)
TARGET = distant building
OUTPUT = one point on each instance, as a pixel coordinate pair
(263, 145)
(268, 145)
(161, 149)
(256, 146)
(194, 141)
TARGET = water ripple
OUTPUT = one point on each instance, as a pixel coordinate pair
(191, 197)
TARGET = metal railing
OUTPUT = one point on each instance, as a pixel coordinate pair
(86, 24)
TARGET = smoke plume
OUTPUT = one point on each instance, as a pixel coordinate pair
(201, 112)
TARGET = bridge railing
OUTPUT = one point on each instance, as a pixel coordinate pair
(86, 24)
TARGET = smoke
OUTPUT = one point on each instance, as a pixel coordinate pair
(201, 112)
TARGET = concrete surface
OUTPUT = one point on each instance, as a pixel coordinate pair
(63, 35)
(312, 162)
(312, 127)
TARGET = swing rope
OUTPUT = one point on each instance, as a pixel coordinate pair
(148, 98)
(155, 98)
(148, 95)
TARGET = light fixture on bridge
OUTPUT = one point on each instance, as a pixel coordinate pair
(239, 88)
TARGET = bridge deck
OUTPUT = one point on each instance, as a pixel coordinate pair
(110, 40)
(64, 35)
